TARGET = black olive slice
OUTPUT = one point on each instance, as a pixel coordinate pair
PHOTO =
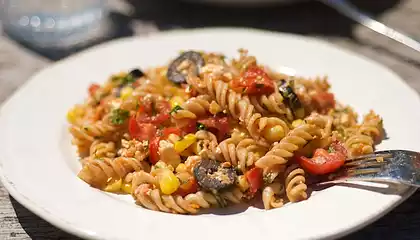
(136, 73)
(290, 96)
(177, 75)
(211, 175)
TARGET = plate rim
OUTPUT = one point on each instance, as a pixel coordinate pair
(85, 233)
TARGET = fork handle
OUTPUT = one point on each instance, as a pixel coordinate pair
(352, 12)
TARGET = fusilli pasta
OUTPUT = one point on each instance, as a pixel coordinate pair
(206, 132)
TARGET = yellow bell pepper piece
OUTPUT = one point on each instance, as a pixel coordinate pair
(114, 186)
(127, 188)
(184, 143)
(168, 182)
(126, 92)
(73, 114)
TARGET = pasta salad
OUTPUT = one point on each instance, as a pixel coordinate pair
(206, 131)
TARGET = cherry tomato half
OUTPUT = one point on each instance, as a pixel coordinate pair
(171, 130)
(93, 88)
(322, 162)
(144, 131)
(151, 111)
(154, 150)
(254, 81)
(220, 125)
(323, 101)
(254, 178)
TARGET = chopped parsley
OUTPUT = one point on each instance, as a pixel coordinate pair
(175, 109)
(123, 81)
(259, 85)
(118, 116)
(127, 79)
(200, 126)
(330, 149)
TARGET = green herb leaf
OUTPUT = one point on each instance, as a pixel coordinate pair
(119, 116)
(128, 79)
(200, 126)
(330, 149)
(175, 109)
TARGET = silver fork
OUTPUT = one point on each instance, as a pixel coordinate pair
(349, 10)
(393, 166)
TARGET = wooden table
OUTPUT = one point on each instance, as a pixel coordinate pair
(18, 63)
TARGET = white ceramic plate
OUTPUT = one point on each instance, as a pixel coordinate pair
(39, 166)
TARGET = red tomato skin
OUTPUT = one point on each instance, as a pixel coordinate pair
(324, 101)
(171, 130)
(93, 88)
(145, 112)
(190, 127)
(154, 150)
(338, 148)
(141, 132)
(333, 161)
(219, 124)
(254, 81)
(254, 178)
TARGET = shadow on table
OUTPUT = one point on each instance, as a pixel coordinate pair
(392, 226)
(37, 228)
(306, 17)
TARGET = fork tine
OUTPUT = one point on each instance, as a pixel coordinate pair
(365, 165)
(371, 156)
(364, 161)
(359, 172)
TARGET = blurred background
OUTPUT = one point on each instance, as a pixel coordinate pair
(57, 28)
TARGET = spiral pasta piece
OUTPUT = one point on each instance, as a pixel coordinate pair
(295, 183)
(248, 152)
(273, 103)
(98, 172)
(269, 195)
(153, 199)
(100, 149)
(194, 108)
(282, 151)
(371, 125)
(206, 145)
(362, 141)
(240, 108)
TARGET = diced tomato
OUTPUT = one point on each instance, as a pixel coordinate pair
(189, 127)
(144, 131)
(93, 88)
(324, 101)
(187, 187)
(254, 81)
(171, 130)
(218, 124)
(153, 112)
(154, 150)
(254, 178)
(322, 162)
(337, 147)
